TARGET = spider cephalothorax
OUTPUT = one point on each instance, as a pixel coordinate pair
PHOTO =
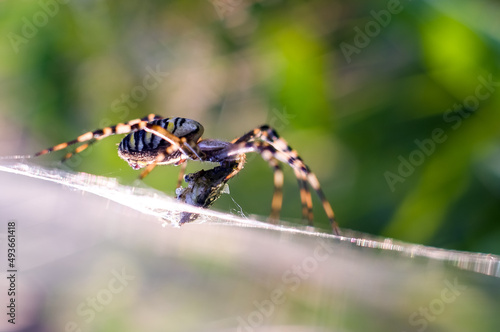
(154, 140)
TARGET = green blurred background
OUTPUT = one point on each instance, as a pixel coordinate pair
(393, 104)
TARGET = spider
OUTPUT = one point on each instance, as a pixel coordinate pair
(154, 140)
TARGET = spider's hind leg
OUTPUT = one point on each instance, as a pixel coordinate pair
(267, 153)
(305, 197)
(182, 171)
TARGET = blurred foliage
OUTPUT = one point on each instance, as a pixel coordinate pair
(358, 88)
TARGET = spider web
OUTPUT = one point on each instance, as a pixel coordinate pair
(167, 211)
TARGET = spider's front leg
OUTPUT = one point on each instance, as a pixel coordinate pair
(92, 136)
(276, 148)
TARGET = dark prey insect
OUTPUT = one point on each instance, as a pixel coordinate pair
(154, 140)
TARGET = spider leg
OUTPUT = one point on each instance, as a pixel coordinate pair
(160, 157)
(270, 154)
(92, 136)
(305, 197)
(305, 193)
(237, 167)
(150, 167)
(182, 171)
(77, 150)
(313, 180)
(267, 153)
(284, 153)
(277, 200)
(291, 157)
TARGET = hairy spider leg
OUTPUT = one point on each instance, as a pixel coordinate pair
(305, 197)
(182, 171)
(264, 133)
(277, 201)
(236, 165)
(286, 154)
(221, 152)
(270, 154)
(92, 136)
(267, 152)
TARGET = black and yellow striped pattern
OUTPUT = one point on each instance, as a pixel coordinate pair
(141, 146)
(272, 147)
(121, 128)
(161, 141)
(144, 141)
